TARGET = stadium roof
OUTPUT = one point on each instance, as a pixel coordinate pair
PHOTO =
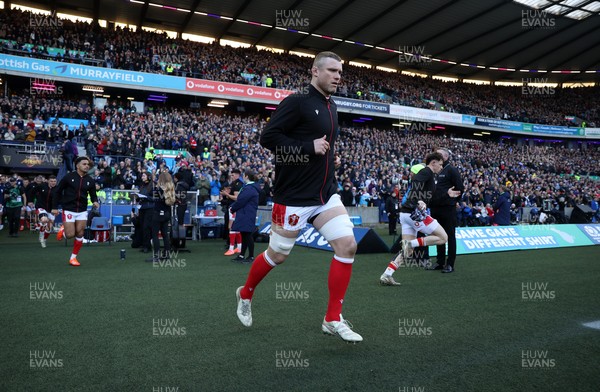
(473, 39)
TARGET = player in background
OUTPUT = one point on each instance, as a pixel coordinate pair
(229, 197)
(414, 218)
(43, 204)
(72, 193)
(30, 192)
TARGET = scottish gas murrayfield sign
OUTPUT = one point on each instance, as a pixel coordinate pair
(86, 73)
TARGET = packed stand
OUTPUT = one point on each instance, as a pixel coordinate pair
(152, 52)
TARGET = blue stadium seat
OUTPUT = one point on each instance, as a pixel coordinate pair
(356, 220)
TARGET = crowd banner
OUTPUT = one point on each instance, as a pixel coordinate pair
(70, 123)
(556, 130)
(169, 155)
(499, 124)
(212, 87)
(536, 129)
(592, 132)
(87, 74)
(418, 114)
(14, 157)
(468, 119)
(352, 105)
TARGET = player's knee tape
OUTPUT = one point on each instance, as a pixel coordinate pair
(281, 244)
(338, 227)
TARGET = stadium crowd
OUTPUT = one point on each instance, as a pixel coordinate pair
(153, 52)
(374, 161)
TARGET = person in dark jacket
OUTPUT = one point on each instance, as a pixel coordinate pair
(68, 154)
(443, 209)
(246, 208)
(502, 208)
(181, 189)
(346, 195)
(146, 211)
(164, 199)
(392, 207)
(72, 193)
(186, 173)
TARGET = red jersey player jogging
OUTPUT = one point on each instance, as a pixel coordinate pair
(71, 192)
(301, 134)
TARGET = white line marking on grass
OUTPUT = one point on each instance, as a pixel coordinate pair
(592, 324)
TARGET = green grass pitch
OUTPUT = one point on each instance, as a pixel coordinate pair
(508, 321)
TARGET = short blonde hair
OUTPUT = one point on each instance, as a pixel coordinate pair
(320, 58)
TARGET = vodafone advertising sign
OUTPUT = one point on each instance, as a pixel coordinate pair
(236, 90)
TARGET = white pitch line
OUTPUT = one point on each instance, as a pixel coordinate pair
(592, 324)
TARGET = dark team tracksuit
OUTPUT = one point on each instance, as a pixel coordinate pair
(301, 177)
(443, 209)
(43, 197)
(422, 188)
(71, 192)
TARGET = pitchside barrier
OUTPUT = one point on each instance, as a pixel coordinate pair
(522, 237)
(473, 239)
(366, 239)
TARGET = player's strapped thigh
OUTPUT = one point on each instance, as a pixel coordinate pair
(282, 244)
(332, 219)
(337, 227)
